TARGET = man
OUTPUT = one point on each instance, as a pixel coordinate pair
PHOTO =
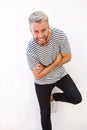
(47, 52)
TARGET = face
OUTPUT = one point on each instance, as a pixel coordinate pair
(40, 32)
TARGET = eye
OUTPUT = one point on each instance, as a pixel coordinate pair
(35, 31)
(44, 30)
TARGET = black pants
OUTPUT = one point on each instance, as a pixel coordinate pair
(70, 94)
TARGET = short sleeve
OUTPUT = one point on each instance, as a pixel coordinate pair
(64, 43)
(32, 61)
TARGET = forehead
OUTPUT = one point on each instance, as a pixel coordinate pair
(39, 26)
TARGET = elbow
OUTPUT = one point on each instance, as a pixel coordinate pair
(37, 76)
(69, 58)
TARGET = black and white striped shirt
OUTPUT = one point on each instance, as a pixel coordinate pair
(47, 55)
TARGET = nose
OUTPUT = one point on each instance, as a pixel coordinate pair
(40, 35)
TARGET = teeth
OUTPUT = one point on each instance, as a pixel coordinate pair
(41, 39)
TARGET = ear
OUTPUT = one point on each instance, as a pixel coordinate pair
(48, 27)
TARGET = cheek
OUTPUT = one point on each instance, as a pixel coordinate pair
(34, 35)
(47, 32)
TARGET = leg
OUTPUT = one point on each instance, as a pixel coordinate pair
(70, 92)
(43, 94)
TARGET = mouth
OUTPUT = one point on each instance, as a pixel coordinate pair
(41, 39)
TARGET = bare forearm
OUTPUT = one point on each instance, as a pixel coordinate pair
(65, 59)
(45, 71)
(61, 59)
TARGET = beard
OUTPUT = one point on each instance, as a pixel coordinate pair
(43, 40)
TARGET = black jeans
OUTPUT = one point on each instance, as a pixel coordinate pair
(70, 94)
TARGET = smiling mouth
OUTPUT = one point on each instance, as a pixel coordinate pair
(41, 39)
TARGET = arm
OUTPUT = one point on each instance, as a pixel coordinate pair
(40, 71)
(65, 58)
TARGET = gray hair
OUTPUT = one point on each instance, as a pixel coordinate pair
(38, 16)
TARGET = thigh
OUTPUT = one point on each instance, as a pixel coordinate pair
(67, 85)
(43, 94)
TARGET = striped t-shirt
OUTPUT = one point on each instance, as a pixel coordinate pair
(47, 54)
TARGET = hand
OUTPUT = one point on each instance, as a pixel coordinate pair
(38, 68)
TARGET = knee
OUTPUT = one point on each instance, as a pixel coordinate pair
(77, 99)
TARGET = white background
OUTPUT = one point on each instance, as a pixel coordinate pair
(19, 109)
